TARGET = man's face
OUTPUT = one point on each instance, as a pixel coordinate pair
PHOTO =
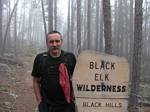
(54, 43)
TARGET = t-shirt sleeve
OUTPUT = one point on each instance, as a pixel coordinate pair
(35, 71)
(71, 62)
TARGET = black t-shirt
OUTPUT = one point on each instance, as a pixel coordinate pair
(47, 68)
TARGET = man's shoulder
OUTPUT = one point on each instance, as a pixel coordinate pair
(69, 56)
(66, 53)
(41, 55)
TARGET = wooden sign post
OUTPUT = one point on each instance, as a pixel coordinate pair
(100, 83)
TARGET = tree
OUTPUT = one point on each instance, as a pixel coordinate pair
(145, 39)
(137, 52)
(23, 26)
(126, 38)
(69, 26)
(115, 38)
(97, 24)
(15, 32)
(50, 15)
(101, 46)
(85, 25)
(44, 21)
(131, 30)
(55, 14)
(79, 25)
(89, 25)
(1, 35)
(107, 26)
(120, 27)
(72, 25)
(8, 24)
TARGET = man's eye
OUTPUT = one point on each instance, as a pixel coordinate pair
(57, 41)
(52, 41)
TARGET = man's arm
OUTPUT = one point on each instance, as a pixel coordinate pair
(36, 87)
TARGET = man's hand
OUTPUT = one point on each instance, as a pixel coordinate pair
(36, 87)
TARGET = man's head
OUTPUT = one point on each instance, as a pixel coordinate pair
(54, 42)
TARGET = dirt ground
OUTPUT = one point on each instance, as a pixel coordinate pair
(16, 92)
(26, 100)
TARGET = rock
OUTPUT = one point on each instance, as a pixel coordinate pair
(13, 95)
(7, 103)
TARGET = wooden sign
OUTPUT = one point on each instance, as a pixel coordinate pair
(100, 83)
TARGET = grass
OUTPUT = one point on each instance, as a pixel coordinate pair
(4, 88)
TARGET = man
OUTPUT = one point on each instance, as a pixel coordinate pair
(51, 73)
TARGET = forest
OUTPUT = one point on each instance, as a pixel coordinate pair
(117, 27)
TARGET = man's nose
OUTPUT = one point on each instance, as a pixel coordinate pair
(55, 43)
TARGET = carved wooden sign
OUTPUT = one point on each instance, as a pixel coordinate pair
(100, 83)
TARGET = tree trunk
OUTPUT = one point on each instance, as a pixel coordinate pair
(126, 31)
(68, 31)
(101, 46)
(72, 25)
(55, 13)
(145, 35)
(44, 21)
(131, 29)
(50, 15)
(89, 25)
(30, 29)
(8, 43)
(23, 28)
(131, 34)
(79, 26)
(115, 38)
(1, 13)
(8, 24)
(120, 28)
(85, 25)
(107, 26)
(137, 52)
(97, 24)
(15, 32)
